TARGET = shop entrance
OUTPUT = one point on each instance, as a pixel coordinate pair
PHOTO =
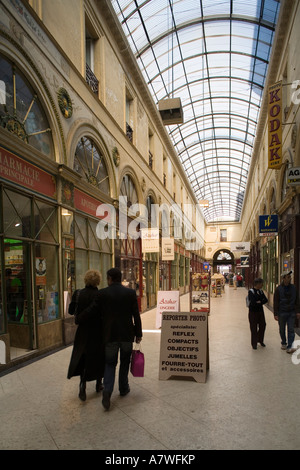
(18, 296)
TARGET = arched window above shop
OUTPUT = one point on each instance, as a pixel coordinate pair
(224, 256)
(21, 113)
(151, 212)
(128, 190)
(89, 162)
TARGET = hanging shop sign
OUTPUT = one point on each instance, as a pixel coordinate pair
(245, 261)
(85, 203)
(203, 202)
(240, 246)
(184, 345)
(205, 266)
(275, 126)
(150, 240)
(268, 225)
(293, 176)
(23, 173)
(167, 301)
(167, 249)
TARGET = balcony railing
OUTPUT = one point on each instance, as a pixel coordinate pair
(150, 160)
(129, 132)
(91, 79)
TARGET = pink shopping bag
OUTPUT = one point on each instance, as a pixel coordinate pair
(137, 363)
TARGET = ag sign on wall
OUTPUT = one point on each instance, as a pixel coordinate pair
(293, 176)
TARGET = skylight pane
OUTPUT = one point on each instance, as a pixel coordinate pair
(225, 55)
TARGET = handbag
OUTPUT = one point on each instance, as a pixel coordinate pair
(137, 363)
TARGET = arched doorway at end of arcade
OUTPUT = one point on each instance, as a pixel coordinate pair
(225, 263)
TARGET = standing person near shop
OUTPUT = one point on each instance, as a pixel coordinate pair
(285, 304)
(257, 320)
(121, 327)
(87, 358)
(239, 280)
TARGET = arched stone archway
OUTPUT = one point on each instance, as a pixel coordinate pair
(223, 258)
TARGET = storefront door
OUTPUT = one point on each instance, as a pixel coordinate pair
(18, 297)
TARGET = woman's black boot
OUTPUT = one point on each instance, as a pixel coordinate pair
(82, 394)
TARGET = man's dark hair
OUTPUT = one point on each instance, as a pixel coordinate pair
(258, 281)
(115, 274)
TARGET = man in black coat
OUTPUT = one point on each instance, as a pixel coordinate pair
(121, 326)
(256, 317)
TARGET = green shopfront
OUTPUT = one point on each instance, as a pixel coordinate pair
(29, 247)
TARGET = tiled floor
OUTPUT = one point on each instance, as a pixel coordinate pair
(251, 399)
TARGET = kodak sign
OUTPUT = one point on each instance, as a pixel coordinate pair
(275, 126)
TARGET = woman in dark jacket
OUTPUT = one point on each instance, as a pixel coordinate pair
(87, 358)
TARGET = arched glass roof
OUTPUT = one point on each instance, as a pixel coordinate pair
(213, 55)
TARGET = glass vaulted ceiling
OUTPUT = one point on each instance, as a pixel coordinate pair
(213, 55)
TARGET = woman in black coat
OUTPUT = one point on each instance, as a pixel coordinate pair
(87, 358)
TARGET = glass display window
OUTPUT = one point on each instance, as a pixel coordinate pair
(81, 267)
(90, 251)
(46, 282)
(45, 222)
(20, 109)
(2, 286)
(16, 214)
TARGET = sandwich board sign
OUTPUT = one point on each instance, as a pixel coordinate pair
(184, 345)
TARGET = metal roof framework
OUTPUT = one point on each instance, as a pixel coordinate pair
(213, 55)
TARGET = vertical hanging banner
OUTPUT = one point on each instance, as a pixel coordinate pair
(150, 240)
(167, 249)
(275, 126)
(167, 301)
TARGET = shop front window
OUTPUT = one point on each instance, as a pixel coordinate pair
(82, 265)
(17, 219)
(90, 251)
(1, 304)
(46, 281)
(273, 265)
(45, 222)
(20, 110)
(164, 275)
(130, 274)
(187, 271)
(175, 272)
(67, 226)
(181, 271)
